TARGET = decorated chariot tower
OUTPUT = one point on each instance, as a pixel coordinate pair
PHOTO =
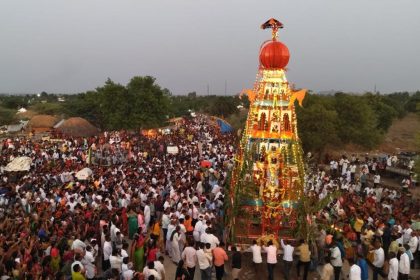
(268, 176)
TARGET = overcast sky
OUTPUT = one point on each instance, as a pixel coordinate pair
(74, 45)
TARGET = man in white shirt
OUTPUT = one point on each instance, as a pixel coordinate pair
(159, 267)
(204, 262)
(404, 266)
(147, 214)
(88, 262)
(393, 267)
(336, 259)
(378, 260)
(211, 238)
(197, 229)
(189, 255)
(107, 251)
(355, 272)
(150, 270)
(287, 257)
(271, 251)
(256, 257)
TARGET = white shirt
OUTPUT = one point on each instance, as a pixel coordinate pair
(88, 262)
(107, 250)
(379, 257)
(165, 221)
(128, 274)
(404, 265)
(336, 257)
(287, 251)
(78, 245)
(256, 253)
(116, 262)
(160, 268)
(204, 260)
(190, 256)
(355, 272)
(212, 239)
(393, 269)
(413, 243)
(271, 254)
(147, 272)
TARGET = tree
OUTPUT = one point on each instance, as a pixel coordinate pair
(317, 127)
(357, 122)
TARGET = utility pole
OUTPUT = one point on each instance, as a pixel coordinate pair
(208, 89)
(225, 87)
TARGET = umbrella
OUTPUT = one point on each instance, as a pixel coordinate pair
(84, 174)
(19, 164)
(205, 164)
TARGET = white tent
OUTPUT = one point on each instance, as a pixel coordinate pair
(84, 174)
(19, 164)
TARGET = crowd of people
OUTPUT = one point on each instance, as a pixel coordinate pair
(147, 205)
(141, 205)
(368, 223)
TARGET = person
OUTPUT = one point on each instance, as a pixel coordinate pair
(220, 257)
(404, 266)
(393, 267)
(181, 271)
(137, 251)
(149, 270)
(287, 257)
(107, 251)
(236, 263)
(189, 255)
(256, 257)
(355, 272)
(327, 272)
(362, 263)
(76, 274)
(378, 260)
(204, 263)
(336, 259)
(304, 259)
(160, 268)
(271, 251)
(175, 251)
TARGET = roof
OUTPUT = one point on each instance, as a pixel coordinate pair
(42, 121)
(77, 127)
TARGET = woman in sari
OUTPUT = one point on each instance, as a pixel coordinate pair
(132, 223)
(137, 251)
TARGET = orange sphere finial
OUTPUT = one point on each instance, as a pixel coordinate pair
(273, 54)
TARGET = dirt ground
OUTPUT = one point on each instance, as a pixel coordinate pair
(400, 137)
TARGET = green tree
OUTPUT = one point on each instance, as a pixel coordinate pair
(317, 127)
(150, 103)
(357, 122)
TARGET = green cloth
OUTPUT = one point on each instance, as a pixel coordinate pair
(132, 226)
(139, 258)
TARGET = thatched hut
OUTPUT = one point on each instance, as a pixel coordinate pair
(77, 127)
(41, 123)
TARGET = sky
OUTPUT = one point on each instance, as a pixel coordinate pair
(70, 46)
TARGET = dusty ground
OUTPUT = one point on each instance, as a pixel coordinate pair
(401, 136)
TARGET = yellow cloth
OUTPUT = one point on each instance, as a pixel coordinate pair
(358, 224)
(156, 229)
(393, 247)
(305, 254)
(77, 276)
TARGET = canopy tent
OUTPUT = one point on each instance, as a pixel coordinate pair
(84, 174)
(19, 164)
(224, 126)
